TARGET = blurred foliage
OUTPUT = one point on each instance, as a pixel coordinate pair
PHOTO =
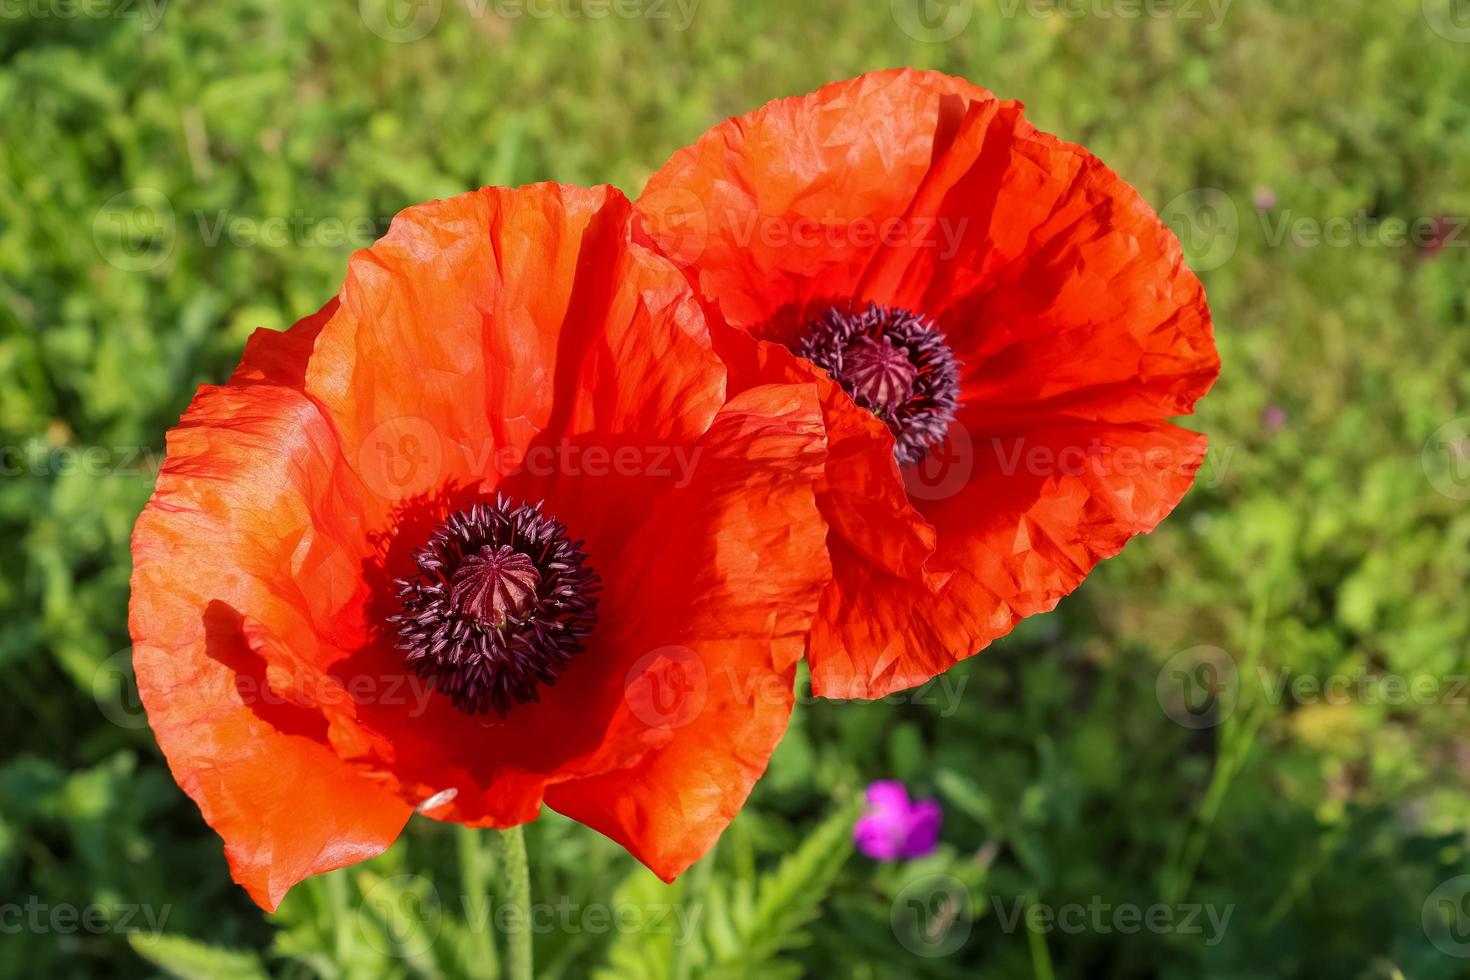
(175, 175)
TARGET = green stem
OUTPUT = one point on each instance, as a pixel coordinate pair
(694, 886)
(341, 928)
(515, 879)
(474, 879)
(1041, 967)
(1238, 737)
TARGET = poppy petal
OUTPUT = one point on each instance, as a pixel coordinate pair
(784, 204)
(280, 356)
(1039, 513)
(260, 768)
(727, 604)
(1058, 287)
(540, 278)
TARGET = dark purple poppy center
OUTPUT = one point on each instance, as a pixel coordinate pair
(501, 602)
(896, 364)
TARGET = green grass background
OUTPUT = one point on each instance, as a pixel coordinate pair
(1327, 547)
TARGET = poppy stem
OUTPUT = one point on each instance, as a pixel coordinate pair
(515, 880)
(474, 872)
(694, 886)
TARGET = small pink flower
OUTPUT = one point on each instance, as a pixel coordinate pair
(1264, 199)
(893, 828)
(1273, 417)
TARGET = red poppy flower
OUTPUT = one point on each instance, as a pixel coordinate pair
(485, 532)
(1007, 324)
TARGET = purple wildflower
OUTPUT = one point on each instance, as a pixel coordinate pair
(893, 828)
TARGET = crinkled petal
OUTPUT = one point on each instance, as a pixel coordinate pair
(248, 498)
(727, 575)
(501, 319)
(1039, 512)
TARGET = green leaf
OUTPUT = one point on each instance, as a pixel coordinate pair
(791, 897)
(190, 959)
(734, 926)
(962, 792)
(644, 954)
